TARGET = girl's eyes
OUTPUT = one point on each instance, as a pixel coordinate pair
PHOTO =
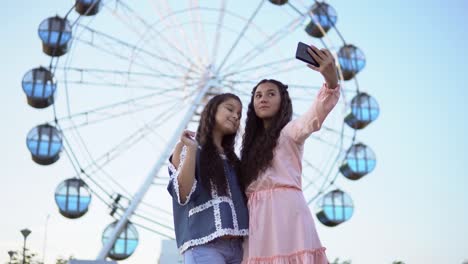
(258, 95)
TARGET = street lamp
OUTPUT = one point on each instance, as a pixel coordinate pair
(25, 233)
(11, 253)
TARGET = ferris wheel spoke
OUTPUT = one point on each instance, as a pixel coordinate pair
(218, 31)
(258, 67)
(316, 170)
(281, 71)
(198, 27)
(269, 42)
(114, 85)
(100, 169)
(134, 100)
(337, 132)
(156, 208)
(246, 26)
(266, 71)
(314, 88)
(99, 115)
(326, 184)
(131, 17)
(244, 95)
(122, 49)
(161, 216)
(140, 133)
(197, 68)
(324, 174)
(171, 228)
(325, 142)
(79, 169)
(112, 180)
(267, 75)
(124, 80)
(128, 142)
(118, 74)
(183, 36)
(238, 91)
(119, 55)
(311, 88)
(93, 168)
(153, 230)
(295, 9)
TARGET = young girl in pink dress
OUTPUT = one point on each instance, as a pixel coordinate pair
(281, 227)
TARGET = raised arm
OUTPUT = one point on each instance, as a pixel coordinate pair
(183, 178)
(175, 156)
(326, 99)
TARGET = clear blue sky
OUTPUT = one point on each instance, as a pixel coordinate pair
(413, 207)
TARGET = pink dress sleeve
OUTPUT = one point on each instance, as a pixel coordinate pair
(302, 127)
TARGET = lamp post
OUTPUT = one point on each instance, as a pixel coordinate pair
(25, 233)
(11, 253)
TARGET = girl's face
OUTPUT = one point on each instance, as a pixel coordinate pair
(267, 100)
(228, 116)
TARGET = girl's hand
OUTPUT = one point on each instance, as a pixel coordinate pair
(188, 139)
(327, 66)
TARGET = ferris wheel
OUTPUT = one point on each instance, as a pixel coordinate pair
(125, 78)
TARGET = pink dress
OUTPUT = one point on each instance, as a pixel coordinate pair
(281, 227)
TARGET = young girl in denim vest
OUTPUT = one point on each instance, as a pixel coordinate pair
(209, 207)
(281, 229)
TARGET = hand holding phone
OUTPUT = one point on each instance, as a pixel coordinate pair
(303, 55)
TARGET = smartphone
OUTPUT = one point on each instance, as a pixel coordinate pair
(303, 55)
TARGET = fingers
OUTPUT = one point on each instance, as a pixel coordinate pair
(313, 67)
(315, 53)
(328, 53)
(324, 58)
(320, 55)
(190, 133)
(324, 54)
(187, 135)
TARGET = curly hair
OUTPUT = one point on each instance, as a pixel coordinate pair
(259, 143)
(211, 165)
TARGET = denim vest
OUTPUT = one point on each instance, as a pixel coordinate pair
(205, 216)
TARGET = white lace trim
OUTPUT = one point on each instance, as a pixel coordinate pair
(175, 175)
(210, 203)
(212, 236)
(216, 211)
(172, 169)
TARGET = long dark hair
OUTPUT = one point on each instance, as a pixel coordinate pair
(259, 143)
(211, 165)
